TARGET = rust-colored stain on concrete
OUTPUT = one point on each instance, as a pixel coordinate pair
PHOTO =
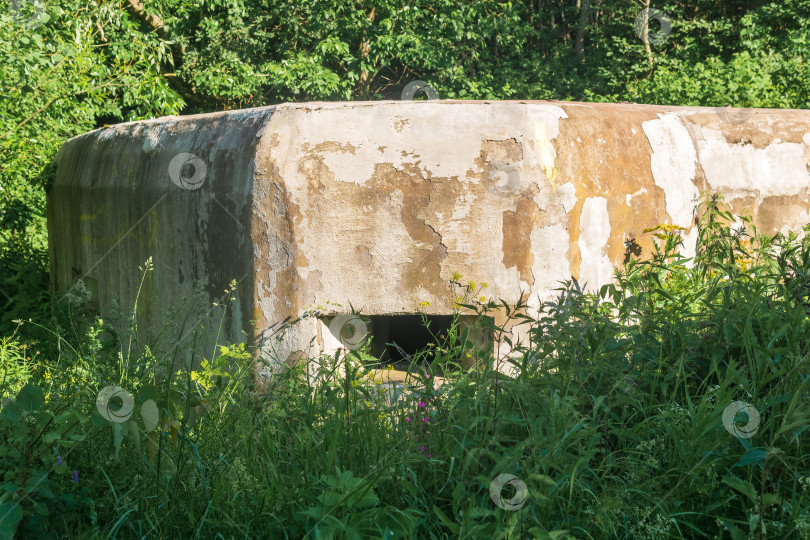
(517, 229)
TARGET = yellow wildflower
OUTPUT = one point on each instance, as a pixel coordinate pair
(471, 286)
(456, 276)
(664, 227)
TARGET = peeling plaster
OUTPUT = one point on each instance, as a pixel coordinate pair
(551, 245)
(742, 169)
(673, 166)
(594, 224)
(568, 196)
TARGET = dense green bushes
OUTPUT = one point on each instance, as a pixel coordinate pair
(614, 420)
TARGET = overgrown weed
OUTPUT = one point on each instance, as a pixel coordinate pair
(612, 415)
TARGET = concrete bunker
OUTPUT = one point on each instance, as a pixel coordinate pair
(379, 205)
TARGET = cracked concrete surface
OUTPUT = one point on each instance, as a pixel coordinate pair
(378, 204)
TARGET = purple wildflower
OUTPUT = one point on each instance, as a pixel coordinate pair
(75, 476)
(421, 403)
(408, 419)
(59, 461)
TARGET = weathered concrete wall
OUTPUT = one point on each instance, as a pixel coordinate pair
(378, 204)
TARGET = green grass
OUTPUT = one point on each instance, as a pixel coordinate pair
(614, 421)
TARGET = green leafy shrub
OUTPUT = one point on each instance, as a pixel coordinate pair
(35, 459)
(621, 415)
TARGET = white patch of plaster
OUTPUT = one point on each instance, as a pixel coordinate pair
(546, 129)
(568, 196)
(440, 138)
(550, 265)
(806, 138)
(673, 166)
(742, 169)
(629, 196)
(594, 224)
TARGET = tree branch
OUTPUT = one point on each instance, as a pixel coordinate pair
(157, 24)
(645, 33)
(579, 45)
(152, 20)
(364, 83)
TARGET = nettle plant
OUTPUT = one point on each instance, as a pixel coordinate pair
(141, 405)
(162, 400)
(38, 438)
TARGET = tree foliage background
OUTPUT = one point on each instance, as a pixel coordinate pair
(69, 66)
